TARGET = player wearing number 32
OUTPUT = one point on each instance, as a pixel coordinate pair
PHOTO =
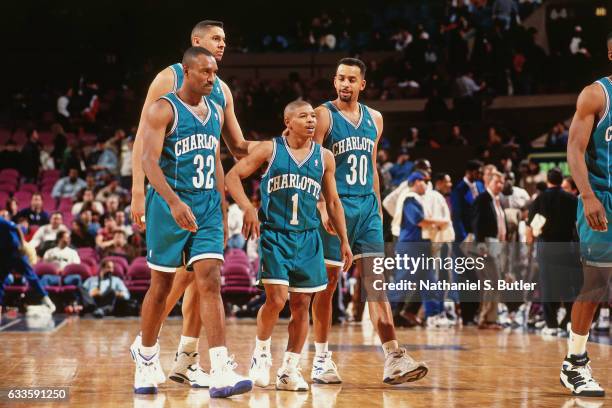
(290, 248)
(185, 213)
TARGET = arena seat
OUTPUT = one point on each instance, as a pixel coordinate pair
(23, 197)
(45, 268)
(12, 172)
(121, 265)
(32, 188)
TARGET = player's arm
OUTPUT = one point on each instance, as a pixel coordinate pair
(321, 130)
(590, 103)
(378, 119)
(161, 85)
(233, 181)
(334, 207)
(232, 134)
(158, 117)
(220, 177)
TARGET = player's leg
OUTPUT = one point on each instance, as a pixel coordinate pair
(22, 265)
(289, 376)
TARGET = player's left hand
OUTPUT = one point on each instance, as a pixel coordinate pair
(347, 255)
(250, 224)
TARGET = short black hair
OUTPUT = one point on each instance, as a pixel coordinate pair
(472, 165)
(438, 177)
(60, 234)
(555, 176)
(353, 62)
(571, 182)
(205, 25)
(193, 52)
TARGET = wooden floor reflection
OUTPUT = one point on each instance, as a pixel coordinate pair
(468, 368)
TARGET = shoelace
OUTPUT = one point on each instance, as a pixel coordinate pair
(586, 374)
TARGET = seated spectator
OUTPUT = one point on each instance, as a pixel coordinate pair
(35, 213)
(91, 223)
(61, 255)
(12, 207)
(120, 247)
(112, 205)
(234, 225)
(108, 162)
(402, 168)
(30, 157)
(105, 237)
(81, 237)
(122, 225)
(44, 238)
(456, 137)
(87, 202)
(557, 138)
(68, 186)
(113, 188)
(106, 293)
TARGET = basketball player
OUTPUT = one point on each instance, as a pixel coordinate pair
(290, 247)
(351, 131)
(209, 35)
(588, 155)
(185, 216)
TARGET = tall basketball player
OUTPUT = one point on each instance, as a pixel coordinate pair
(351, 131)
(589, 155)
(185, 215)
(290, 247)
(211, 36)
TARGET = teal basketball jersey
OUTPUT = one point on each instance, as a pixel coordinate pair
(188, 156)
(352, 145)
(598, 155)
(290, 190)
(217, 95)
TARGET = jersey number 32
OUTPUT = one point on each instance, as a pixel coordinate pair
(200, 180)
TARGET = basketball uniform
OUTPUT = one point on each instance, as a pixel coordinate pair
(290, 247)
(217, 95)
(352, 145)
(595, 245)
(188, 162)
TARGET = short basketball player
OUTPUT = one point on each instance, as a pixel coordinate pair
(351, 131)
(290, 247)
(211, 36)
(185, 216)
(589, 152)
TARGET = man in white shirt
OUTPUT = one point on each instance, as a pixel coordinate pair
(48, 233)
(88, 198)
(62, 254)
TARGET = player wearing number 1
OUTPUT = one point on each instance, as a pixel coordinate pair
(184, 209)
(351, 131)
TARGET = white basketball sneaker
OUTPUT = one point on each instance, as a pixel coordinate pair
(260, 369)
(576, 376)
(401, 368)
(324, 370)
(224, 382)
(290, 379)
(187, 370)
(161, 378)
(145, 376)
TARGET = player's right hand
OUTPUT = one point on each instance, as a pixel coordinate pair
(326, 221)
(347, 255)
(250, 223)
(137, 209)
(595, 213)
(184, 216)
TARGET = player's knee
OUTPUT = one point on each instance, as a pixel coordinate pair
(209, 283)
(276, 301)
(300, 304)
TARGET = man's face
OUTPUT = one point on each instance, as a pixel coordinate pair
(119, 239)
(56, 220)
(88, 196)
(73, 174)
(36, 203)
(112, 204)
(348, 82)
(445, 185)
(65, 240)
(108, 268)
(419, 187)
(302, 121)
(212, 39)
(496, 185)
(567, 187)
(86, 217)
(110, 224)
(120, 218)
(200, 74)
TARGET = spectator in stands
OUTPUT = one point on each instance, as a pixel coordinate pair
(68, 187)
(92, 225)
(107, 293)
(111, 205)
(45, 237)
(87, 202)
(532, 177)
(462, 198)
(35, 213)
(234, 225)
(120, 247)
(112, 189)
(125, 159)
(513, 196)
(30, 157)
(60, 144)
(61, 256)
(384, 166)
(81, 237)
(90, 180)
(456, 137)
(123, 225)
(105, 237)
(12, 206)
(467, 103)
(569, 185)
(505, 11)
(413, 140)
(63, 107)
(402, 167)
(557, 137)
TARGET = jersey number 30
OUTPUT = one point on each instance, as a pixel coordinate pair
(198, 181)
(362, 170)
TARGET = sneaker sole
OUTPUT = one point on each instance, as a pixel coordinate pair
(225, 392)
(318, 381)
(583, 393)
(145, 390)
(292, 390)
(181, 379)
(410, 376)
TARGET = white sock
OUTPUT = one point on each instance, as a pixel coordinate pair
(291, 360)
(218, 357)
(148, 351)
(390, 347)
(262, 346)
(321, 348)
(188, 344)
(576, 344)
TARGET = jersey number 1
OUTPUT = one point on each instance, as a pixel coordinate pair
(198, 181)
(294, 218)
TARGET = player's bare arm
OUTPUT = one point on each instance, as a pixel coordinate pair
(158, 116)
(334, 207)
(378, 119)
(220, 177)
(321, 130)
(261, 154)
(161, 85)
(231, 132)
(590, 103)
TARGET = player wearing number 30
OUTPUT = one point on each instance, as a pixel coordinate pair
(290, 248)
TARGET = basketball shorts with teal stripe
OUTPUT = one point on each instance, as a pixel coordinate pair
(169, 246)
(596, 246)
(292, 258)
(364, 229)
